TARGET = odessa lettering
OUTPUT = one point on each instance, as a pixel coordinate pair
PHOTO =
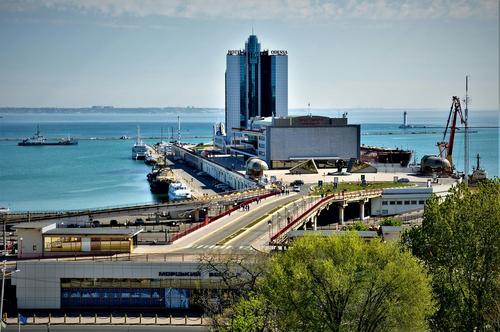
(279, 52)
(235, 52)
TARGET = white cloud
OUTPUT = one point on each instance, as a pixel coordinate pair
(272, 9)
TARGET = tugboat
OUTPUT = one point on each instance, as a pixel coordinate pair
(38, 140)
(159, 179)
(478, 173)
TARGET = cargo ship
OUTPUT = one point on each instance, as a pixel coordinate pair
(381, 155)
(38, 140)
(159, 179)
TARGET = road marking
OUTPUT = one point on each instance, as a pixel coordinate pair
(211, 246)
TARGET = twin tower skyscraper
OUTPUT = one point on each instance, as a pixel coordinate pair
(256, 85)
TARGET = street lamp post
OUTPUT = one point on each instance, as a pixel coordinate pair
(20, 249)
(3, 214)
(4, 274)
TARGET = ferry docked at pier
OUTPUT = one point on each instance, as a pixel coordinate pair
(140, 149)
(178, 191)
(38, 140)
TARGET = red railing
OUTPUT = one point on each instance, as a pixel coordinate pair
(353, 194)
(217, 217)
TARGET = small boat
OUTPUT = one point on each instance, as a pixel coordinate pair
(178, 191)
(38, 140)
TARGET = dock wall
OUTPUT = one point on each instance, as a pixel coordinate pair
(223, 174)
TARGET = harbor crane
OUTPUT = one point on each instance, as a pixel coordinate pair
(446, 147)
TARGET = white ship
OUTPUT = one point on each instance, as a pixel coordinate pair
(178, 191)
(139, 150)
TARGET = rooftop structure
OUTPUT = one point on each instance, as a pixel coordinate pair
(45, 239)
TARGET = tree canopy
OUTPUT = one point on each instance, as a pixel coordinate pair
(338, 283)
(459, 241)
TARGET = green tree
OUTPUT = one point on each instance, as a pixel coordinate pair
(358, 226)
(338, 284)
(459, 241)
(390, 221)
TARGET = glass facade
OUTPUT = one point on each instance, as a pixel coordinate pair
(256, 85)
(55, 243)
(243, 95)
(253, 65)
(268, 85)
(176, 293)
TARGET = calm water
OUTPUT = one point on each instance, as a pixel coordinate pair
(97, 173)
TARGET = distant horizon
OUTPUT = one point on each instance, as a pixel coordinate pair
(111, 108)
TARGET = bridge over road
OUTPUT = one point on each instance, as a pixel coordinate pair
(308, 211)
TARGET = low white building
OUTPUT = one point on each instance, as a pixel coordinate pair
(401, 200)
(45, 239)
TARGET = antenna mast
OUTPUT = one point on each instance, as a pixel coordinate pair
(466, 132)
(178, 129)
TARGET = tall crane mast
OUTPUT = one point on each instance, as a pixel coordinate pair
(446, 147)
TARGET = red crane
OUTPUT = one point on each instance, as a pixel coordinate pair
(446, 148)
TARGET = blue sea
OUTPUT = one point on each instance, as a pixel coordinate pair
(100, 173)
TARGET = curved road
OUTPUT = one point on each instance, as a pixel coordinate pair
(203, 242)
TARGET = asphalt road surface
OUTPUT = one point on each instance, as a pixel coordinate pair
(257, 210)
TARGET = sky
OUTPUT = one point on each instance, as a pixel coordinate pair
(158, 53)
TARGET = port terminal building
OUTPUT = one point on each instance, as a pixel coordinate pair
(45, 239)
(284, 142)
(106, 284)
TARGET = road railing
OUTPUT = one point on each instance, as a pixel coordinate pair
(316, 204)
(235, 207)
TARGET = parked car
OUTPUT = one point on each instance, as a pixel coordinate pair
(113, 222)
(172, 223)
(96, 223)
(403, 180)
(297, 183)
(139, 222)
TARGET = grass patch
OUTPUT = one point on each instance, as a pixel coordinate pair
(328, 188)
